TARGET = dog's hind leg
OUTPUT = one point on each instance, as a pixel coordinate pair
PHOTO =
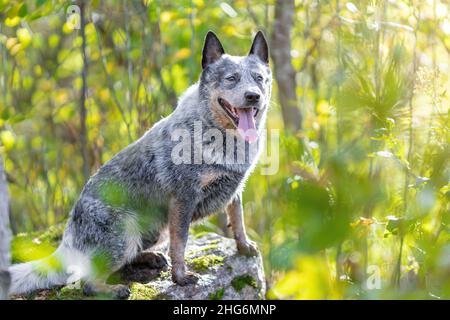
(151, 259)
(118, 245)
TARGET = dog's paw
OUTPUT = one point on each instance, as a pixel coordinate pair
(185, 280)
(118, 291)
(248, 248)
(121, 291)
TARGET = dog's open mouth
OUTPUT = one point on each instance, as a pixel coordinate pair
(242, 118)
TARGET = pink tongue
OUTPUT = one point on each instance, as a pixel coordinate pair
(247, 124)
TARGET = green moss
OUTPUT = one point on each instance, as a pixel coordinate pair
(67, 293)
(200, 234)
(239, 282)
(138, 292)
(215, 241)
(143, 292)
(165, 275)
(212, 245)
(209, 247)
(218, 295)
(203, 263)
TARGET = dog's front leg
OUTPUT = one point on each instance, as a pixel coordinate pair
(180, 216)
(236, 220)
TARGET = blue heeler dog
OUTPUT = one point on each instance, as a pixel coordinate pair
(141, 194)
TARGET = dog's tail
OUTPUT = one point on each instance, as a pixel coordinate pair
(65, 265)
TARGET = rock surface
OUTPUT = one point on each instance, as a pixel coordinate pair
(223, 274)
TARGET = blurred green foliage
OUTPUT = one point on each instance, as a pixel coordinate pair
(360, 205)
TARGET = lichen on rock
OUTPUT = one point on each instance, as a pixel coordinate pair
(141, 291)
(203, 263)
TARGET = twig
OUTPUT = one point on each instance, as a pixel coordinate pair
(315, 44)
(252, 15)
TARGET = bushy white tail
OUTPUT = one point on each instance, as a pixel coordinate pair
(65, 265)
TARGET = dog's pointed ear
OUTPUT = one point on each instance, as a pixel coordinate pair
(212, 49)
(260, 47)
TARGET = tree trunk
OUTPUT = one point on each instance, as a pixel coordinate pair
(284, 71)
(5, 234)
(83, 112)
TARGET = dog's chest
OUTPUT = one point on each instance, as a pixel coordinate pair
(217, 191)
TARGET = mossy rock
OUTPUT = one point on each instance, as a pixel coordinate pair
(203, 263)
(239, 282)
(218, 295)
(68, 293)
(222, 272)
(141, 291)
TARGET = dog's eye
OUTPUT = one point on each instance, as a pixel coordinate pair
(231, 78)
(259, 78)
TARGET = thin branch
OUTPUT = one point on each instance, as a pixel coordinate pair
(253, 15)
(192, 26)
(316, 41)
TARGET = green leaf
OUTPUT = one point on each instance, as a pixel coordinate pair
(23, 10)
(40, 2)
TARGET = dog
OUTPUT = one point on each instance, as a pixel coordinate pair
(130, 205)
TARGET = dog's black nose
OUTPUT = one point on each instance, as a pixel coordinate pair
(251, 97)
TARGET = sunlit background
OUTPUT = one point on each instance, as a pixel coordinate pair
(359, 208)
